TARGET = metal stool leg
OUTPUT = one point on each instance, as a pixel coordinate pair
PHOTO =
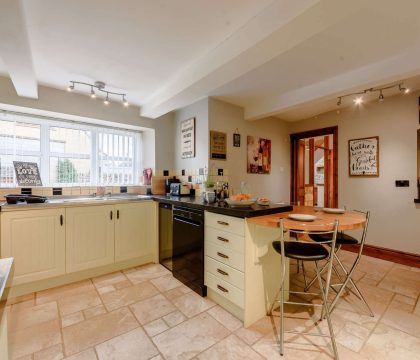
(282, 321)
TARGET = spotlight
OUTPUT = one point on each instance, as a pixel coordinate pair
(70, 88)
(381, 96)
(339, 101)
(406, 91)
(92, 93)
(358, 100)
(106, 101)
(403, 89)
(125, 102)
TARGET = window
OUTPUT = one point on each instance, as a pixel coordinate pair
(68, 153)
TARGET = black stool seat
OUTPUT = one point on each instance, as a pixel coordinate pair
(302, 251)
(342, 238)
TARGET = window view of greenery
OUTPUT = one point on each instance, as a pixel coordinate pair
(72, 154)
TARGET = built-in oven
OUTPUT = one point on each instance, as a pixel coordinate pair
(188, 248)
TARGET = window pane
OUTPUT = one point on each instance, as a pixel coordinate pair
(19, 138)
(70, 141)
(7, 171)
(69, 171)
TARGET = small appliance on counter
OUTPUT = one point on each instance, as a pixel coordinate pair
(180, 189)
(168, 183)
(21, 198)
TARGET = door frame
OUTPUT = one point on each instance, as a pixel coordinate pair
(294, 141)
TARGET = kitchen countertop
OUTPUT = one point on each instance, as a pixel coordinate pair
(241, 212)
(5, 271)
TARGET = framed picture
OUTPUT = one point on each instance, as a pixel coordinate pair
(236, 139)
(258, 155)
(364, 156)
(218, 145)
(27, 173)
(188, 138)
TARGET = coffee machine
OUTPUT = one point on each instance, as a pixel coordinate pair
(168, 183)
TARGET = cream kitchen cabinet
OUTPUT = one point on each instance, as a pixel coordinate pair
(89, 237)
(134, 229)
(36, 240)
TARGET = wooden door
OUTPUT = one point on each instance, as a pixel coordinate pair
(134, 225)
(89, 237)
(300, 172)
(36, 240)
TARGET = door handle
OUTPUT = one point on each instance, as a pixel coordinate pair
(61, 220)
(220, 271)
(110, 214)
(222, 289)
(118, 214)
(222, 239)
(222, 223)
(222, 255)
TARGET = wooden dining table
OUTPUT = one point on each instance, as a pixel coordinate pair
(349, 220)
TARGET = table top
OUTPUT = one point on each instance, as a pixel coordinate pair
(348, 221)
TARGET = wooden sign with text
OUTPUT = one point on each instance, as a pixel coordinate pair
(364, 156)
(27, 173)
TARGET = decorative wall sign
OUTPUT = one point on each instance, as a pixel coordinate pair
(188, 138)
(258, 155)
(364, 156)
(236, 138)
(27, 173)
(217, 145)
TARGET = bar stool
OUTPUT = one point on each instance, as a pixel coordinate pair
(306, 251)
(345, 239)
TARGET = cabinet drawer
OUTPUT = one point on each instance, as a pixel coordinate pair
(224, 272)
(225, 239)
(225, 223)
(226, 256)
(224, 289)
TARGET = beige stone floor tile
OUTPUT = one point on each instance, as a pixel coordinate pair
(77, 302)
(133, 345)
(122, 284)
(53, 353)
(397, 317)
(109, 279)
(192, 304)
(147, 272)
(174, 318)
(262, 327)
(155, 327)
(352, 336)
(417, 308)
(152, 308)
(26, 357)
(22, 298)
(402, 281)
(157, 357)
(165, 283)
(190, 338)
(98, 329)
(20, 318)
(23, 304)
(63, 291)
(225, 318)
(129, 295)
(230, 348)
(106, 289)
(178, 291)
(88, 354)
(72, 319)
(35, 338)
(390, 343)
(94, 311)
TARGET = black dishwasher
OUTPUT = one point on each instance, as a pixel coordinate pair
(188, 248)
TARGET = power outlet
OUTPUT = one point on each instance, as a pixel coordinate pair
(402, 183)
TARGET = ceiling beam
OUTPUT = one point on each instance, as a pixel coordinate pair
(15, 50)
(277, 29)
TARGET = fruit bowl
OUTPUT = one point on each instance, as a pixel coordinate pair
(247, 202)
(263, 201)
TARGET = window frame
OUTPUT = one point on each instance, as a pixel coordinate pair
(45, 153)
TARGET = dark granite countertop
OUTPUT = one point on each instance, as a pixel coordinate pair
(223, 208)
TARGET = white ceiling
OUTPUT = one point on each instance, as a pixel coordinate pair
(282, 58)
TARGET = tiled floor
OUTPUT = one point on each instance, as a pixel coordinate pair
(144, 313)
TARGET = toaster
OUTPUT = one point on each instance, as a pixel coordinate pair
(178, 189)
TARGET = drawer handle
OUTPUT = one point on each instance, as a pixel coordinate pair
(222, 239)
(222, 289)
(222, 255)
(61, 220)
(222, 223)
(220, 271)
(110, 214)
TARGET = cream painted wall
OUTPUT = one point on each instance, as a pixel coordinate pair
(226, 118)
(395, 219)
(158, 133)
(199, 110)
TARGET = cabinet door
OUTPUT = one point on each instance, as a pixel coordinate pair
(36, 240)
(89, 237)
(134, 230)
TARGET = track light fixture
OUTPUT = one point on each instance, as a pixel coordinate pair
(359, 99)
(99, 86)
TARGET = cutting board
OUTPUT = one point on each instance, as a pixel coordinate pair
(158, 185)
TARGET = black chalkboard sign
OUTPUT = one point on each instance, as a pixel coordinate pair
(27, 173)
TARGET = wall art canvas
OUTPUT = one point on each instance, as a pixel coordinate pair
(258, 155)
(364, 156)
(188, 138)
(218, 145)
